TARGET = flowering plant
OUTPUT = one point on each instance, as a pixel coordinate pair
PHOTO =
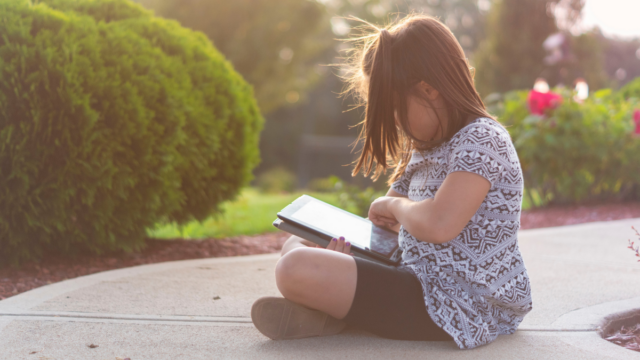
(539, 102)
(631, 243)
(575, 152)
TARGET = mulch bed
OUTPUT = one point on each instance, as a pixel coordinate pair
(568, 215)
(52, 269)
(627, 337)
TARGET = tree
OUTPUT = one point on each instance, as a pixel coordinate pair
(512, 56)
(274, 45)
(621, 59)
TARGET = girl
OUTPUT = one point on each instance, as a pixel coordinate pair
(455, 200)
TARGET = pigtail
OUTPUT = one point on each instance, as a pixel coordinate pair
(379, 131)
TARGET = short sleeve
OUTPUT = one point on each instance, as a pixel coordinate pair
(484, 150)
(401, 185)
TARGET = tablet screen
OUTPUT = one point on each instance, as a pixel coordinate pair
(358, 231)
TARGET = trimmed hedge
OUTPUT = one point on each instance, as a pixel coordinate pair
(112, 120)
(577, 152)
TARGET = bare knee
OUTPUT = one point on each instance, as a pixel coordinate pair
(294, 242)
(292, 271)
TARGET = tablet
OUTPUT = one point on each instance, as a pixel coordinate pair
(322, 218)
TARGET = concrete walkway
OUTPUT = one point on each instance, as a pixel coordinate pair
(200, 309)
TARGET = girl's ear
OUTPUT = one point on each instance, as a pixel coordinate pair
(427, 90)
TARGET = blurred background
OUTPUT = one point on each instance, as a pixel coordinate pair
(283, 47)
(562, 75)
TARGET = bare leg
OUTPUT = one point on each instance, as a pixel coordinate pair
(295, 242)
(317, 278)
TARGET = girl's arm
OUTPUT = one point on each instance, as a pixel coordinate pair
(393, 193)
(439, 219)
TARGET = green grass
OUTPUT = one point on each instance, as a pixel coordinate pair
(251, 213)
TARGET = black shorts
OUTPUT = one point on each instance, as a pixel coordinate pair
(389, 303)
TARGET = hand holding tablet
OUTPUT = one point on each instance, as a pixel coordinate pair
(319, 222)
(340, 245)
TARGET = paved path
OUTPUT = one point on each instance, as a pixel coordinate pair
(199, 309)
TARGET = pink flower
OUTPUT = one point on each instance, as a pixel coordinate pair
(636, 119)
(539, 101)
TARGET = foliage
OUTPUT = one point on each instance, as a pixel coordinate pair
(350, 197)
(631, 90)
(274, 44)
(577, 152)
(276, 180)
(324, 185)
(587, 62)
(463, 17)
(621, 54)
(251, 213)
(111, 120)
(511, 56)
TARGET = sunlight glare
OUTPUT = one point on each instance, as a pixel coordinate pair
(614, 17)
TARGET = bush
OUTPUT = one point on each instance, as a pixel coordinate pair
(324, 185)
(577, 152)
(277, 180)
(631, 91)
(350, 197)
(112, 120)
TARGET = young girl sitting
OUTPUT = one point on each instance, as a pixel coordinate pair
(455, 200)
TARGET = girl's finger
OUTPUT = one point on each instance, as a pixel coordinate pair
(340, 245)
(347, 248)
(332, 244)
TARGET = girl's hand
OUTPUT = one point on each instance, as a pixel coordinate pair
(379, 213)
(339, 245)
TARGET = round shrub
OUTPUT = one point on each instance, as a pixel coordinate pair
(112, 120)
(578, 151)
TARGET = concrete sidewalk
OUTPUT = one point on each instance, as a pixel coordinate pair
(200, 309)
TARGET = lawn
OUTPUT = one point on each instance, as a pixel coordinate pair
(251, 213)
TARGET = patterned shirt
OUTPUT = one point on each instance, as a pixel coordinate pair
(475, 286)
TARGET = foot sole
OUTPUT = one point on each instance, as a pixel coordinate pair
(281, 319)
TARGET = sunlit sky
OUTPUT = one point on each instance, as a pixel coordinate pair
(619, 18)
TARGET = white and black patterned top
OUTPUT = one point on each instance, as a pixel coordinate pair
(475, 286)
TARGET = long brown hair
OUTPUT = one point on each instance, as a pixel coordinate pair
(384, 66)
